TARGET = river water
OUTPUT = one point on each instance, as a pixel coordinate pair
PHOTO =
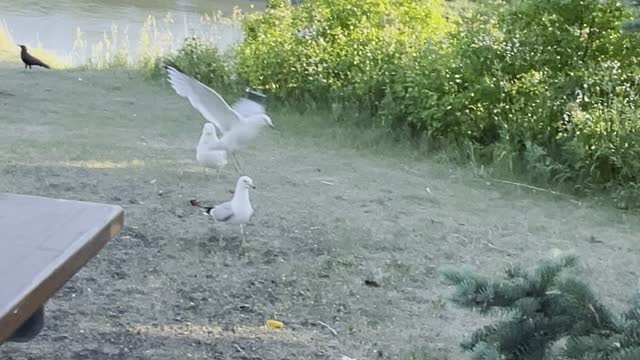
(54, 24)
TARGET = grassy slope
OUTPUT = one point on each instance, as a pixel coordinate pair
(326, 218)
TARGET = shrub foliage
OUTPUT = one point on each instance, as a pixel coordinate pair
(331, 49)
(546, 88)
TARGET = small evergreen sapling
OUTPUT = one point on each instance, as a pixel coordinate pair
(539, 308)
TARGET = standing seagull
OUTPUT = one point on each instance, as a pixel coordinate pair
(238, 124)
(207, 157)
(236, 211)
(29, 59)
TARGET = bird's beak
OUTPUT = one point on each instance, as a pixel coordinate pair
(253, 187)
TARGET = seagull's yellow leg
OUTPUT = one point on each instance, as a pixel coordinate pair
(237, 164)
(242, 234)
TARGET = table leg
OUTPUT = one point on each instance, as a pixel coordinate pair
(30, 328)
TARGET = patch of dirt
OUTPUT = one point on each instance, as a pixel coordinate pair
(174, 285)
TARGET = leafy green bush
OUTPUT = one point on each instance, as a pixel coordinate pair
(508, 82)
(604, 130)
(448, 92)
(326, 50)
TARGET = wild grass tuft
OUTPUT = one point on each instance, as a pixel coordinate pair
(115, 51)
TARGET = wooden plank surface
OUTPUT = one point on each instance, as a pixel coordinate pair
(43, 243)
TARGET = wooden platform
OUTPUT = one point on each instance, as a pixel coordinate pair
(43, 243)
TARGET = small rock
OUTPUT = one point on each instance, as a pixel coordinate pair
(372, 283)
(373, 278)
(593, 240)
(58, 338)
(119, 275)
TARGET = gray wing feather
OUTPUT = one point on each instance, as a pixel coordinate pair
(223, 212)
(204, 99)
(246, 107)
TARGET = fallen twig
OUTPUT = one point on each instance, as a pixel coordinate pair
(461, 237)
(495, 247)
(411, 170)
(333, 331)
(240, 350)
(531, 187)
(593, 310)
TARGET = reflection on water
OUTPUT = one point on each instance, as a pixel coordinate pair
(54, 24)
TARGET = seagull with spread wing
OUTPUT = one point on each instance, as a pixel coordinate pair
(237, 124)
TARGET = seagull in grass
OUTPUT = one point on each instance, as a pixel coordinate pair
(208, 158)
(238, 124)
(236, 211)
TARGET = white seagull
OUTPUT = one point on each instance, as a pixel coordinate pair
(236, 211)
(215, 159)
(237, 124)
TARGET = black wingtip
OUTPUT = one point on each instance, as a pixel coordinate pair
(167, 63)
(256, 96)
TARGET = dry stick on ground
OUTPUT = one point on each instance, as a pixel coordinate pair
(411, 170)
(495, 247)
(335, 333)
(485, 242)
(524, 185)
(240, 350)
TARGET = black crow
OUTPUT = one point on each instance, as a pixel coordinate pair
(29, 59)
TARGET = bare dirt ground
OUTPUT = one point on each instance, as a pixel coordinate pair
(170, 288)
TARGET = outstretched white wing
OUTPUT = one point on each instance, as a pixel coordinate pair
(204, 99)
